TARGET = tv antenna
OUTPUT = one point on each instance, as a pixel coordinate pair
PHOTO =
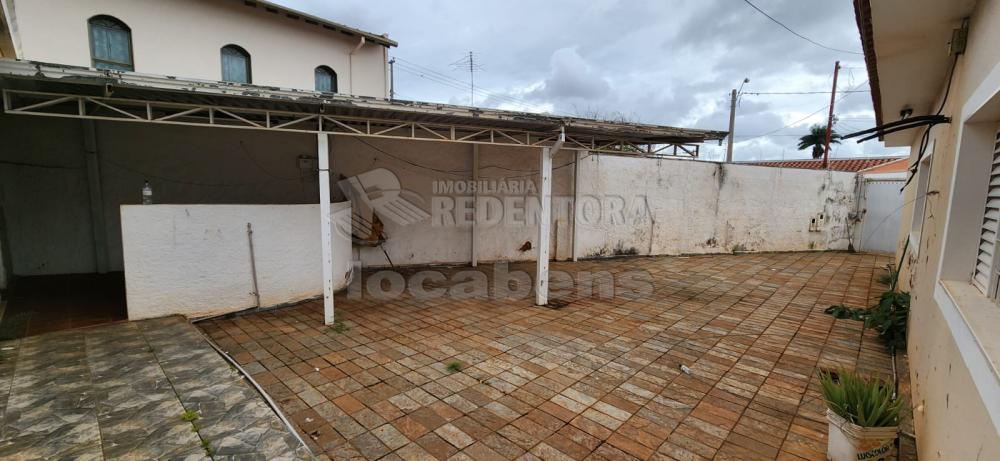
(469, 63)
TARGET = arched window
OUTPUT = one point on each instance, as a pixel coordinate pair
(110, 44)
(235, 64)
(326, 79)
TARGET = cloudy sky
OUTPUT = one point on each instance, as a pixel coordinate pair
(666, 62)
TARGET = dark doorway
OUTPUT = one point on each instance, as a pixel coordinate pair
(47, 303)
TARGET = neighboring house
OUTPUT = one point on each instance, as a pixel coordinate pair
(925, 58)
(886, 164)
(234, 41)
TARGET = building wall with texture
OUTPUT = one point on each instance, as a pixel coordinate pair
(183, 38)
(952, 355)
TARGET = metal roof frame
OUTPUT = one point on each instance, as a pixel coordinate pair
(66, 91)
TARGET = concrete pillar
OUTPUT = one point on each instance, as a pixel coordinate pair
(326, 224)
(544, 226)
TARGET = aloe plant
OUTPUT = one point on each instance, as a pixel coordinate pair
(865, 401)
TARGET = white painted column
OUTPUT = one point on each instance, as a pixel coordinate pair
(326, 224)
(544, 226)
(475, 204)
(579, 155)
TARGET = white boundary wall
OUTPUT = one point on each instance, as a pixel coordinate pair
(195, 259)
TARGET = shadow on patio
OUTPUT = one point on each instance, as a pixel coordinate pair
(594, 379)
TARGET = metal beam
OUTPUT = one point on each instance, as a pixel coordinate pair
(19, 102)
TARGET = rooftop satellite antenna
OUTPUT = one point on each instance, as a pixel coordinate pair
(469, 63)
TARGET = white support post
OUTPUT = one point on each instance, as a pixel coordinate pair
(576, 202)
(326, 224)
(544, 226)
(475, 204)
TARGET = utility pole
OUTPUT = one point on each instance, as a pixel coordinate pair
(732, 126)
(829, 120)
(392, 79)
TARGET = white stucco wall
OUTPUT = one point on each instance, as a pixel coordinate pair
(183, 38)
(195, 259)
(697, 207)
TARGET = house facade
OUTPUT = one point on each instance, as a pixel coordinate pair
(927, 59)
(250, 42)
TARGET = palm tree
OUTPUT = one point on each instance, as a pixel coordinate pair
(817, 140)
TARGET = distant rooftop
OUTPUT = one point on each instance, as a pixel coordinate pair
(837, 164)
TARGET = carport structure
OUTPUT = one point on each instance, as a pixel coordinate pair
(46, 90)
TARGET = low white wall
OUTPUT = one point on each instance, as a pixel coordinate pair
(195, 259)
(701, 207)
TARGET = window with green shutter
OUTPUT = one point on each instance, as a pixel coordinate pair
(110, 44)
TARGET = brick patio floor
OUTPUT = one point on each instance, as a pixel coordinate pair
(595, 379)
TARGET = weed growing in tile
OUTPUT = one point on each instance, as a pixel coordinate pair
(454, 367)
(190, 416)
(207, 446)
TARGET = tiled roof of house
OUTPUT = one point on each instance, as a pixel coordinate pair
(837, 164)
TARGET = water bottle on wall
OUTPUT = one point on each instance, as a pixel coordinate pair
(147, 194)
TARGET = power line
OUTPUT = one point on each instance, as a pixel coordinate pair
(431, 74)
(847, 93)
(803, 92)
(803, 37)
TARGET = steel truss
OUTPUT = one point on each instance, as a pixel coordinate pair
(18, 102)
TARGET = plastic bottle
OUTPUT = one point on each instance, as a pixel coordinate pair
(147, 194)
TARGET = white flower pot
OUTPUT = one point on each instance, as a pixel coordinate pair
(850, 442)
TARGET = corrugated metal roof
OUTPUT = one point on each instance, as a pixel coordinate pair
(838, 164)
(34, 76)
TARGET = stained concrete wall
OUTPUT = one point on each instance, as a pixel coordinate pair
(195, 260)
(183, 38)
(692, 207)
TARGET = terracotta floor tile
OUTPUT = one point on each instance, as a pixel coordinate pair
(597, 379)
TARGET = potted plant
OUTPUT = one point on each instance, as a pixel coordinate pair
(863, 417)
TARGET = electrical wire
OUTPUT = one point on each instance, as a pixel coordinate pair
(925, 139)
(464, 85)
(845, 94)
(803, 37)
(443, 79)
(758, 93)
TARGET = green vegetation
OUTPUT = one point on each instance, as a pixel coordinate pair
(889, 317)
(190, 416)
(816, 140)
(454, 366)
(866, 402)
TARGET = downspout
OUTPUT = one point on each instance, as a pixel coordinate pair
(11, 25)
(350, 65)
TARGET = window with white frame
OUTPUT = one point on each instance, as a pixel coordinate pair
(985, 275)
(923, 181)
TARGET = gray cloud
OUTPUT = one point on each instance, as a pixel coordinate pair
(646, 61)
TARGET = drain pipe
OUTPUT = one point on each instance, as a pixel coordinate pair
(267, 398)
(350, 64)
(253, 265)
